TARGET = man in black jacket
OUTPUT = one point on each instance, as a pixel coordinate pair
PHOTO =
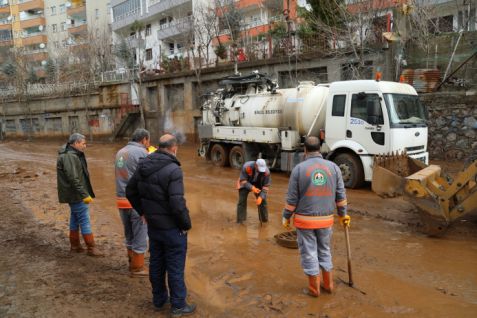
(156, 190)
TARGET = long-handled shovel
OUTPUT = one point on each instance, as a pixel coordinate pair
(348, 252)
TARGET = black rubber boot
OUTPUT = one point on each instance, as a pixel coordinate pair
(242, 205)
(188, 309)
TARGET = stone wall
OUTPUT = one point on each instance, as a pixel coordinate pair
(452, 125)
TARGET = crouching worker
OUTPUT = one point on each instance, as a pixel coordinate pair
(74, 188)
(254, 177)
(315, 189)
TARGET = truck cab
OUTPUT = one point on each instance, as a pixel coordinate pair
(367, 118)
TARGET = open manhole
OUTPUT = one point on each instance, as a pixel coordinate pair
(287, 239)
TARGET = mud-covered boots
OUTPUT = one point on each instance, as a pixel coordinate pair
(92, 249)
(130, 256)
(313, 289)
(75, 243)
(327, 282)
(137, 268)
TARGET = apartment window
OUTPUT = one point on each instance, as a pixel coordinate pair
(171, 48)
(96, 14)
(53, 10)
(125, 9)
(63, 26)
(148, 54)
(148, 29)
(62, 8)
(56, 44)
(54, 28)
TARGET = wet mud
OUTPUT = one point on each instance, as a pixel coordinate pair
(232, 270)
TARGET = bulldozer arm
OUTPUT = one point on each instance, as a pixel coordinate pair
(438, 200)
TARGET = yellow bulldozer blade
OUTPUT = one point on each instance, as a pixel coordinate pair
(439, 201)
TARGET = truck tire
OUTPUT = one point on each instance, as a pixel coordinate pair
(236, 157)
(219, 155)
(351, 169)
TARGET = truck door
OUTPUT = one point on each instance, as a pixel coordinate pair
(367, 123)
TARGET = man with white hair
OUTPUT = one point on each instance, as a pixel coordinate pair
(254, 177)
(74, 188)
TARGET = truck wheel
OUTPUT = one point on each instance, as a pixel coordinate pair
(351, 169)
(236, 157)
(219, 155)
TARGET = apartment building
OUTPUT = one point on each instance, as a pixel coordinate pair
(165, 28)
(44, 29)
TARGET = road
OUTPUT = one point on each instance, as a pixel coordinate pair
(232, 270)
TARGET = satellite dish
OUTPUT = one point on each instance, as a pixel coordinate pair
(40, 28)
(42, 45)
(43, 63)
(68, 4)
(9, 18)
(68, 22)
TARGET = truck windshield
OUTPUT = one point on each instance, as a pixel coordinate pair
(405, 110)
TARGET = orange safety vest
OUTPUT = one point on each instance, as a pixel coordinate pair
(310, 222)
(123, 203)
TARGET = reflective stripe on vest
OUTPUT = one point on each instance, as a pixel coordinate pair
(123, 203)
(313, 222)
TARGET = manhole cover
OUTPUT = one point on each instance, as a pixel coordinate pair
(287, 239)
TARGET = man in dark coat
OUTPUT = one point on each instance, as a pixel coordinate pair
(156, 190)
(74, 188)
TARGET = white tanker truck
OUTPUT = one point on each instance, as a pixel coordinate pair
(249, 118)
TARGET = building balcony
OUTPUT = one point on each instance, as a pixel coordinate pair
(159, 6)
(6, 42)
(25, 5)
(37, 55)
(78, 8)
(5, 25)
(78, 29)
(126, 19)
(34, 38)
(33, 22)
(174, 28)
(4, 8)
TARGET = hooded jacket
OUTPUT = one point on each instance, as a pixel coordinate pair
(156, 190)
(72, 175)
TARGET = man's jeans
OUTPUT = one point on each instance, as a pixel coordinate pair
(135, 231)
(168, 250)
(315, 251)
(79, 217)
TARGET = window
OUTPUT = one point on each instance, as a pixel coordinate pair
(148, 29)
(339, 102)
(54, 28)
(62, 8)
(148, 54)
(63, 26)
(96, 14)
(56, 44)
(171, 48)
(53, 10)
(360, 104)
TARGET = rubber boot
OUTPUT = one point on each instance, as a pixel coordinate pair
(75, 242)
(137, 266)
(327, 282)
(130, 256)
(92, 249)
(313, 289)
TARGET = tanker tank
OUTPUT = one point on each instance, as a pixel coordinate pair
(292, 108)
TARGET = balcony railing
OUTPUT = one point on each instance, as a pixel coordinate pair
(78, 28)
(174, 27)
(76, 9)
(32, 22)
(25, 5)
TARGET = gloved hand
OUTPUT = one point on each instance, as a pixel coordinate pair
(255, 190)
(345, 220)
(286, 223)
(88, 199)
(259, 200)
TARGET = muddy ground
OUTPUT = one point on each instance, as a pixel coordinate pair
(232, 270)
